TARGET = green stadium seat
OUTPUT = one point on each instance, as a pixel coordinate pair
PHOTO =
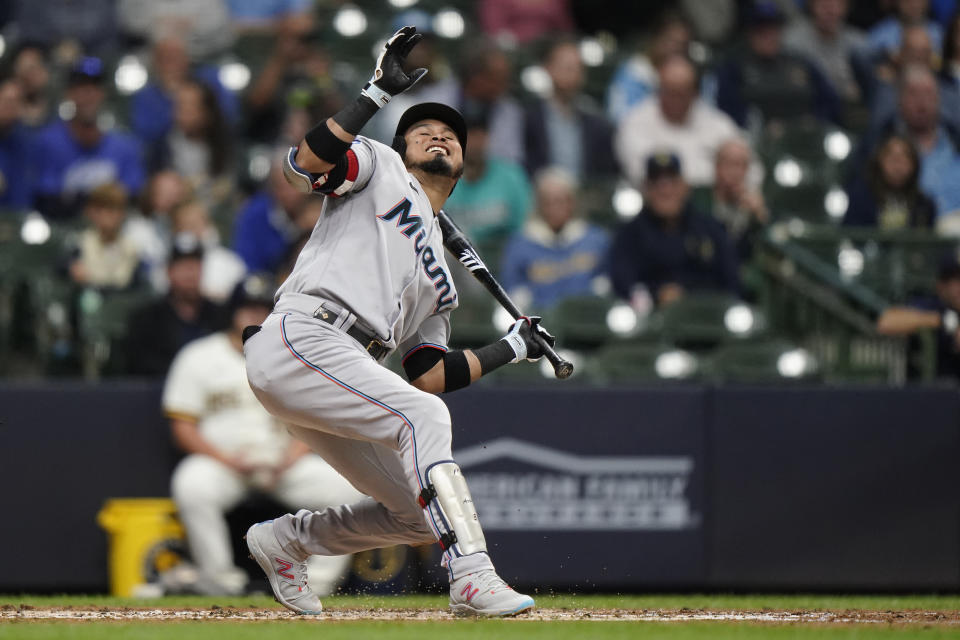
(472, 321)
(102, 320)
(581, 321)
(632, 362)
(764, 361)
(705, 319)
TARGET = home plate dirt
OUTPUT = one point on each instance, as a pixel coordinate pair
(27, 613)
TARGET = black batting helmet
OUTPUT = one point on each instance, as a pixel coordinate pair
(430, 111)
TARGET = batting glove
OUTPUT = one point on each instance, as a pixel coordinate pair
(389, 78)
(522, 340)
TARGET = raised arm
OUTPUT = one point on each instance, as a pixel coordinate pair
(323, 148)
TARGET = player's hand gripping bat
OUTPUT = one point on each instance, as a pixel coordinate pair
(460, 246)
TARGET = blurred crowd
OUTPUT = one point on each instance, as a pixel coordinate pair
(615, 148)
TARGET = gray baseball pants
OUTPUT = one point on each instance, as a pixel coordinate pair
(380, 432)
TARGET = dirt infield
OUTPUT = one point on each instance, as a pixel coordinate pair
(25, 613)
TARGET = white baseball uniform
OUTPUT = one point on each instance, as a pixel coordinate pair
(375, 260)
(207, 384)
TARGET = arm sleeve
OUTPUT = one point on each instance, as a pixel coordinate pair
(183, 390)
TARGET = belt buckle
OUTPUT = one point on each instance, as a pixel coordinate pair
(374, 343)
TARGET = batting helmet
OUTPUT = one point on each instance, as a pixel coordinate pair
(430, 111)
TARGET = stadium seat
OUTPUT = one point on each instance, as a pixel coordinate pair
(764, 361)
(102, 320)
(631, 362)
(581, 321)
(706, 319)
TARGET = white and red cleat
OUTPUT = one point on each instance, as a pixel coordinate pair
(287, 575)
(484, 593)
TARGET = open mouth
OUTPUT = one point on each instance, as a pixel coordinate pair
(435, 148)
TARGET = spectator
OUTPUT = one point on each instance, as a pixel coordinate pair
(886, 36)
(739, 207)
(486, 76)
(636, 78)
(670, 248)
(199, 144)
(297, 72)
(17, 158)
(950, 69)
(766, 83)
(222, 268)
(676, 119)
(557, 255)
(149, 225)
(160, 329)
(152, 107)
(712, 20)
(518, 22)
(234, 446)
(273, 17)
(890, 197)
(105, 257)
(567, 129)
(76, 26)
(75, 155)
(916, 49)
(837, 49)
(493, 198)
(266, 225)
(30, 68)
(920, 120)
(940, 314)
(204, 25)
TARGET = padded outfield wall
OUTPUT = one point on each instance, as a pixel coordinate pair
(686, 487)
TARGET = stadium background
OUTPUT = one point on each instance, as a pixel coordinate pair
(766, 438)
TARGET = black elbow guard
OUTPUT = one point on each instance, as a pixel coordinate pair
(456, 371)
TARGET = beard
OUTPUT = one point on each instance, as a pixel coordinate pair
(439, 165)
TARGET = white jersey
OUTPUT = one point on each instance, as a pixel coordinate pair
(378, 250)
(207, 383)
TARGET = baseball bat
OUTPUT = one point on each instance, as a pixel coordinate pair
(460, 246)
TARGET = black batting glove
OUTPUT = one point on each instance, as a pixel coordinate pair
(389, 78)
(522, 340)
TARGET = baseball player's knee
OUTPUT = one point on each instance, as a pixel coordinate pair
(434, 418)
(196, 483)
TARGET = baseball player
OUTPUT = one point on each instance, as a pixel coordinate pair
(233, 445)
(373, 279)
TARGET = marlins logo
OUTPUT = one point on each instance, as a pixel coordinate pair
(471, 260)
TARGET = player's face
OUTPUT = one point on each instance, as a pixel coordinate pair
(433, 147)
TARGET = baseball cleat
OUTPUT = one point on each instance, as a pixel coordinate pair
(287, 575)
(484, 593)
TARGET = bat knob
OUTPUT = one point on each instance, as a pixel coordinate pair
(563, 370)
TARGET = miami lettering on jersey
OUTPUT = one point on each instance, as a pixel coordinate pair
(411, 225)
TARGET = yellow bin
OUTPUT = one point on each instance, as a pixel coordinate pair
(144, 535)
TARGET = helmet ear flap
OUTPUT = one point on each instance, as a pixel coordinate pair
(399, 145)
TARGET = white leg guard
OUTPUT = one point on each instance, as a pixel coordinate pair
(449, 500)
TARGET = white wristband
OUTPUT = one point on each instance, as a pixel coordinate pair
(517, 343)
(375, 93)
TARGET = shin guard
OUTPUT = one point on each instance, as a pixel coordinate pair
(452, 509)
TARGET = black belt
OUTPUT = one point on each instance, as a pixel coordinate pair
(368, 341)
